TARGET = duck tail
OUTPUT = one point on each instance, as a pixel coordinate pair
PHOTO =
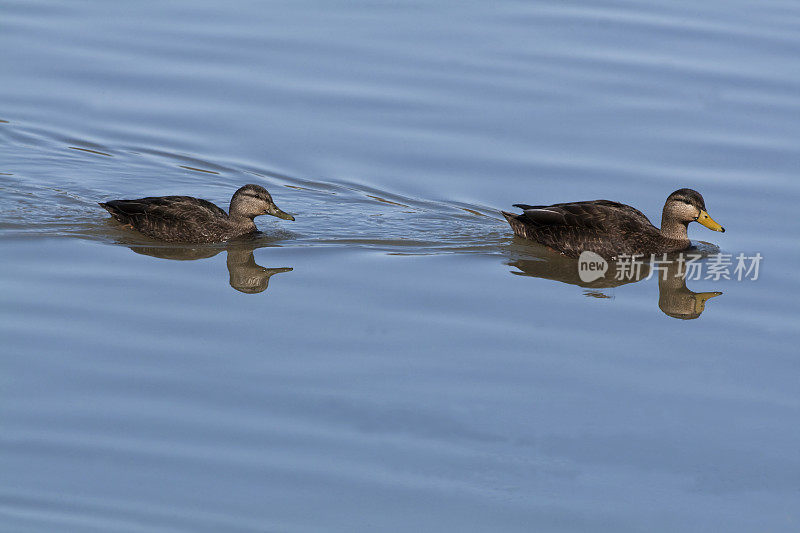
(110, 207)
(515, 223)
(509, 216)
(113, 210)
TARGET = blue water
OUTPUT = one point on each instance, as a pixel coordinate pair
(394, 360)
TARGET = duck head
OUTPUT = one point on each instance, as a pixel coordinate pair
(253, 200)
(683, 207)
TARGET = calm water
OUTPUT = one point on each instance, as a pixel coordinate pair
(394, 360)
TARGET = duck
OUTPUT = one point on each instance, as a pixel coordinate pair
(185, 219)
(611, 229)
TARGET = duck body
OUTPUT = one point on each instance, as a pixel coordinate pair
(178, 219)
(611, 229)
(193, 220)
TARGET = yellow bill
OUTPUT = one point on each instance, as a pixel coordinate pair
(701, 298)
(709, 222)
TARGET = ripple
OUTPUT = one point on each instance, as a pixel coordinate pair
(330, 213)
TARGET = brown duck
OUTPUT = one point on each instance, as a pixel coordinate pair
(192, 220)
(611, 228)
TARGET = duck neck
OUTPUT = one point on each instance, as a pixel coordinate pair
(673, 229)
(239, 218)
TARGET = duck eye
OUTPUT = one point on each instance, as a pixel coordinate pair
(687, 202)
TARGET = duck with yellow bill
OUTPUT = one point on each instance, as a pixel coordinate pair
(610, 228)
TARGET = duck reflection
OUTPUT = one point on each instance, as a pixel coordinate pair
(245, 275)
(675, 299)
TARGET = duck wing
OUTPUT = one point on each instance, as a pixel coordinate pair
(596, 215)
(602, 226)
(165, 208)
(167, 217)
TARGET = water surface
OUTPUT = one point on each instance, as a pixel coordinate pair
(394, 360)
